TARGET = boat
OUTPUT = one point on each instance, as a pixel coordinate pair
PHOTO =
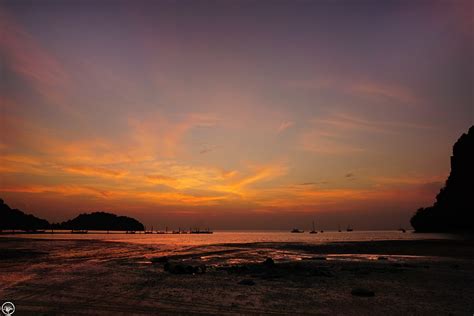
(79, 231)
(198, 231)
(149, 231)
(296, 230)
(313, 231)
(349, 229)
(339, 228)
(401, 229)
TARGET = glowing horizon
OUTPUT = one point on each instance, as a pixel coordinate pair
(234, 115)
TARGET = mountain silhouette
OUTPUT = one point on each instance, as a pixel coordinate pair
(453, 210)
(16, 219)
(102, 221)
(13, 219)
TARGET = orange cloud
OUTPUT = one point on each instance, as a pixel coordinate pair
(158, 134)
(94, 171)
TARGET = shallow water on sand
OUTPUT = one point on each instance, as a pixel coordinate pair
(222, 247)
(225, 247)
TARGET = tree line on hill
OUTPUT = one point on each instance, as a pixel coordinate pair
(14, 219)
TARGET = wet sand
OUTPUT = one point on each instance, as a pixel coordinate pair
(83, 277)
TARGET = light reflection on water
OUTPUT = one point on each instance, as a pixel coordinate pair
(224, 237)
(220, 248)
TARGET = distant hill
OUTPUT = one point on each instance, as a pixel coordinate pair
(102, 221)
(16, 219)
(453, 210)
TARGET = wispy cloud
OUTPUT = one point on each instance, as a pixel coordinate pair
(256, 174)
(158, 134)
(95, 171)
(377, 89)
(395, 92)
(208, 148)
(284, 126)
(344, 133)
(25, 57)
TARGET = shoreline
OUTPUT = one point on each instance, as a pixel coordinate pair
(99, 277)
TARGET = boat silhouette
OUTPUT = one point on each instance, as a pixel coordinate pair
(313, 231)
(296, 230)
(198, 231)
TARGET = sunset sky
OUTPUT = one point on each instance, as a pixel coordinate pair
(232, 114)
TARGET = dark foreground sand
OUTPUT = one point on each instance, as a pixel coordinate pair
(55, 277)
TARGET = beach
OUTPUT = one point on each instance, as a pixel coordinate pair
(54, 277)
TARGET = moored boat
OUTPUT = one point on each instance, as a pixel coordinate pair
(296, 230)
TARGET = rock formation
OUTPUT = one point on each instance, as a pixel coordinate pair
(16, 219)
(453, 210)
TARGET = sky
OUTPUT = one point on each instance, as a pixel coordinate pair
(233, 114)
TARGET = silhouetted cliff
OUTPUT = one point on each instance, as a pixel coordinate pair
(102, 221)
(453, 210)
(16, 219)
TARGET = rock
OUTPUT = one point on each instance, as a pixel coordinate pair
(247, 282)
(174, 268)
(178, 268)
(189, 269)
(163, 259)
(201, 269)
(452, 211)
(269, 262)
(382, 258)
(322, 271)
(362, 292)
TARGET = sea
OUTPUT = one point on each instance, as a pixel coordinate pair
(217, 249)
(238, 237)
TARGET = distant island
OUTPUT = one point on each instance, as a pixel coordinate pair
(102, 221)
(14, 219)
(453, 210)
(18, 220)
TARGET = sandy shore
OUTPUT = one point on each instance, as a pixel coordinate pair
(97, 277)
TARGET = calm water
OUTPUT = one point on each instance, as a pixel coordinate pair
(225, 237)
(220, 248)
